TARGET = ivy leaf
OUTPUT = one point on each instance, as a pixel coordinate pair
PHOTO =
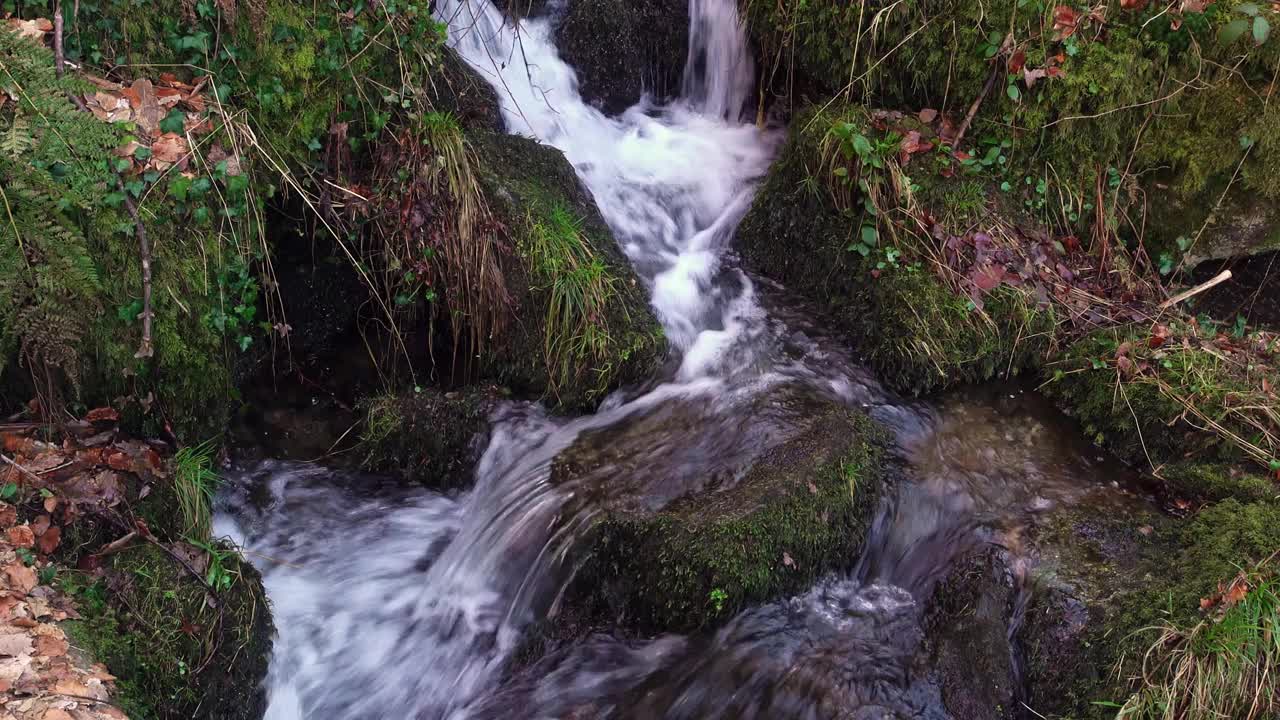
(1250, 9)
(870, 236)
(1261, 29)
(1232, 31)
(142, 152)
(173, 122)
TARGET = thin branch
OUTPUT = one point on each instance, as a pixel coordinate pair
(147, 348)
(997, 65)
(1221, 277)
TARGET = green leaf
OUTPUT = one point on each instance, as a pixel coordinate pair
(123, 164)
(862, 145)
(1013, 92)
(1232, 31)
(870, 236)
(174, 122)
(142, 152)
(841, 172)
(1261, 29)
(113, 200)
(178, 188)
(245, 342)
(1249, 9)
(8, 491)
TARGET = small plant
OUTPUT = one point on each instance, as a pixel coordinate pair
(717, 599)
(218, 576)
(194, 483)
(1254, 20)
(9, 491)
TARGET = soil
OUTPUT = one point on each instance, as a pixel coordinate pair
(1253, 290)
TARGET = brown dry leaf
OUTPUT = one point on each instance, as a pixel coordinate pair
(21, 578)
(8, 514)
(147, 108)
(1065, 22)
(51, 645)
(21, 536)
(51, 503)
(169, 148)
(32, 29)
(56, 714)
(1133, 4)
(40, 524)
(1194, 6)
(928, 115)
(166, 98)
(1030, 76)
(1017, 61)
(50, 539)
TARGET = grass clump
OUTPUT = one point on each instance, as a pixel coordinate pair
(195, 482)
(579, 288)
(1226, 667)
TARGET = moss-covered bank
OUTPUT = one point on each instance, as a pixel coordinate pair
(429, 437)
(806, 231)
(802, 509)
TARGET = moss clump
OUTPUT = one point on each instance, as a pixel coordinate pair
(801, 511)
(428, 437)
(586, 326)
(1162, 394)
(177, 650)
(918, 333)
(1213, 482)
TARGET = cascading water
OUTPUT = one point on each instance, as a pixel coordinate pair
(394, 603)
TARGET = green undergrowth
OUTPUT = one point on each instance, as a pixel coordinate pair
(1157, 394)
(796, 515)
(1148, 113)
(822, 225)
(1144, 624)
(70, 263)
(1219, 662)
(175, 649)
(427, 437)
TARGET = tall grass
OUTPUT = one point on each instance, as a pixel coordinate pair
(579, 287)
(195, 482)
(1220, 668)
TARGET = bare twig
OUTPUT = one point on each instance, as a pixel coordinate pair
(147, 348)
(118, 545)
(1221, 277)
(59, 56)
(20, 468)
(997, 65)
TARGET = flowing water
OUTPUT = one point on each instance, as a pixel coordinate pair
(403, 603)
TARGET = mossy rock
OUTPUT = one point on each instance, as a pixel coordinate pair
(1111, 578)
(532, 189)
(802, 509)
(917, 333)
(619, 49)
(430, 437)
(177, 650)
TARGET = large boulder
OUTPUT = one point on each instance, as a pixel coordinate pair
(681, 543)
(620, 49)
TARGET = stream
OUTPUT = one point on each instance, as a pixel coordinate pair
(398, 602)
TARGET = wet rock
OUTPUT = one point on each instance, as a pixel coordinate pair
(531, 188)
(620, 49)
(683, 543)
(968, 626)
(430, 437)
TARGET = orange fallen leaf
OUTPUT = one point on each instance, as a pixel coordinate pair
(49, 540)
(21, 536)
(31, 29)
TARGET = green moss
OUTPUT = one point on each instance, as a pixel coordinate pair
(1219, 481)
(427, 437)
(918, 333)
(796, 515)
(1142, 413)
(176, 650)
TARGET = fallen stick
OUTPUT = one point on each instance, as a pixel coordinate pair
(1220, 278)
(997, 63)
(59, 55)
(33, 476)
(117, 545)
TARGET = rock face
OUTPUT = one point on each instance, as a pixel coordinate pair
(689, 545)
(429, 437)
(620, 49)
